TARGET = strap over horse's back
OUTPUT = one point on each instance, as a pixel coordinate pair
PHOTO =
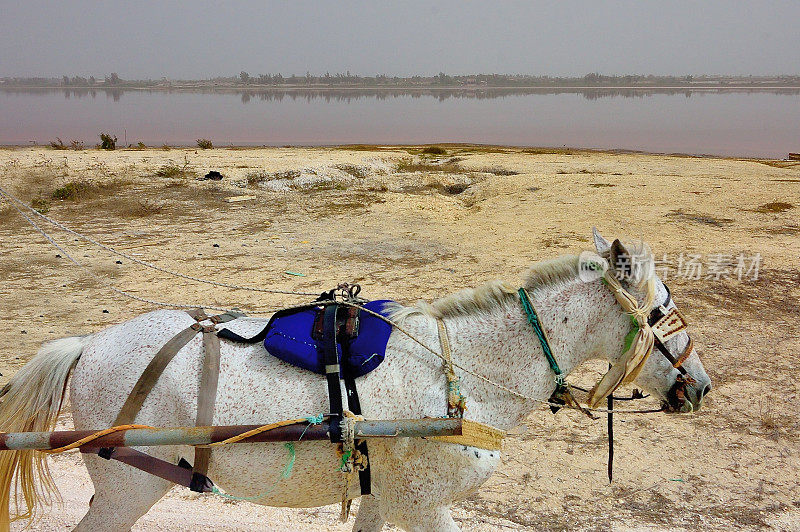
(207, 394)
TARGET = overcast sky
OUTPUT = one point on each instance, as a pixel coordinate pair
(198, 38)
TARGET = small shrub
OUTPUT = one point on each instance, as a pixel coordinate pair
(58, 144)
(165, 147)
(136, 208)
(261, 176)
(107, 142)
(204, 144)
(141, 146)
(434, 150)
(77, 145)
(496, 170)
(172, 170)
(72, 190)
(353, 170)
(774, 206)
(41, 205)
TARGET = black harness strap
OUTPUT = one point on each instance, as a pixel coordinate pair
(332, 368)
(364, 476)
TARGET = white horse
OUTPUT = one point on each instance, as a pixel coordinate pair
(414, 481)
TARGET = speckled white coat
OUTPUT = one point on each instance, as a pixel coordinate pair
(414, 480)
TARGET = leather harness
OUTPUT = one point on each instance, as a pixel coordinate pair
(206, 398)
(335, 328)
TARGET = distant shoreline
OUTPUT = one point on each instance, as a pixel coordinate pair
(306, 88)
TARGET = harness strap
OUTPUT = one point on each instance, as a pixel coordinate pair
(330, 352)
(206, 397)
(456, 402)
(207, 393)
(533, 319)
(354, 405)
(149, 377)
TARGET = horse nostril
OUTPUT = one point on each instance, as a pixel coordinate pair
(705, 391)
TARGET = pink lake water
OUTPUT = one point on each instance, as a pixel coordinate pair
(734, 123)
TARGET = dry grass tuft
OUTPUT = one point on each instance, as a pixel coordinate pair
(173, 171)
(497, 170)
(40, 204)
(129, 207)
(433, 150)
(261, 176)
(679, 214)
(355, 171)
(774, 206)
(84, 189)
(58, 144)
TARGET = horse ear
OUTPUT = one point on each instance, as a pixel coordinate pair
(620, 260)
(601, 244)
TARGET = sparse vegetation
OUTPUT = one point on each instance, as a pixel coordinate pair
(679, 214)
(434, 150)
(141, 145)
(497, 170)
(204, 144)
(71, 190)
(774, 207)
(58, 144)
(84, 189)
(548, 151)
(173, 171)
(410, 165)
(355, 171)
(136, 208)
(262, 176)
(40, 204)
(107, 142)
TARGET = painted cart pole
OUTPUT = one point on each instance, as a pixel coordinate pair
(445, 429)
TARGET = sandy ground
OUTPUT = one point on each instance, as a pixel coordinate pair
(409, 226)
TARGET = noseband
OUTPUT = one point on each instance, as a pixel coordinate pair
(658, 316)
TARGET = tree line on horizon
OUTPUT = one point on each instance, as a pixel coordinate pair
(245, 79)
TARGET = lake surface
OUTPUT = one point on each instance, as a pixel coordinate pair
(737, 123)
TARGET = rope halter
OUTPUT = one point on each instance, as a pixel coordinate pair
(638, 344)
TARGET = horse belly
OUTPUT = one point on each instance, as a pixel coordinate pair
(297, 475)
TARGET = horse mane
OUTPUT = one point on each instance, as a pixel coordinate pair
(492, 295)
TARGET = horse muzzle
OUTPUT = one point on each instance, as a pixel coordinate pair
(686, 395)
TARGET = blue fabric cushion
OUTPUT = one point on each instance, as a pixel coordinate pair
(289, 339)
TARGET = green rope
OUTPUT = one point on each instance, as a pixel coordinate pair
(533, 319)
(287, 472)
(345, 457)
(631, 336)
(312, 420)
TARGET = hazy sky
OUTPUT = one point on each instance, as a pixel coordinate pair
(198, 38)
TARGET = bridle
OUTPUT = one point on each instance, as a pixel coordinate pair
(656, 315)
(661, 315)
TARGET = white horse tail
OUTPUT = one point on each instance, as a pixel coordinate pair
(31, 402)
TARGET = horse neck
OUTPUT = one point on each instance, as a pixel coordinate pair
(582, 321)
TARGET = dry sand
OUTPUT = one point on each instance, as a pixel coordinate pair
(424, 231)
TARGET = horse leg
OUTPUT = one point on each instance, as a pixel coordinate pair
(369, 515)
(122, 495)
(427, 520)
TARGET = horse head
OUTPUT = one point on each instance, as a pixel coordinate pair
(673, 371)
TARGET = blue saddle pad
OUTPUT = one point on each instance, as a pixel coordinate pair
(289, 339)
